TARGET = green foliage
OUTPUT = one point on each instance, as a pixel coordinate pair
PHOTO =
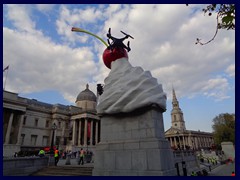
(224, 128)
(225, 18)
(226, 13)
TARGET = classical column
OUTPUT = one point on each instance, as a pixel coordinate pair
(63, 135)
(85, 132)
(96, 133)
(79, 132)
(7, 137)
(204, 142)
(91, 134)
(196, 142)
(180, 144)
(184, 147)
(175, 142)
(171, 143)
(74, 132)
(200, 141)
(189, 141)
(20, 130)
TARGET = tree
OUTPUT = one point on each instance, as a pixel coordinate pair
(225, 18)
(224, 128)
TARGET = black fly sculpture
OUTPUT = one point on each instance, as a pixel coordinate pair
(118, 42)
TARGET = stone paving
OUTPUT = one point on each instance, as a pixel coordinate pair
(73, 162)
(223, 170)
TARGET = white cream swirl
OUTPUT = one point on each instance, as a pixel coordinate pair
(129, 88)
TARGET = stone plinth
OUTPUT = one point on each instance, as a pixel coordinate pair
(134, 144)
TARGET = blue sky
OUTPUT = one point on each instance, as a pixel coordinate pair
(50, 63)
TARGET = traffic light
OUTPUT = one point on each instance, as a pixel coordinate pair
(99, 89)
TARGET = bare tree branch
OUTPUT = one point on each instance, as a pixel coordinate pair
(199, 40)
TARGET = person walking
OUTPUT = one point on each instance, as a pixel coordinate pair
(233, 173)
(56, 156)
(81, 157)
(41, 153)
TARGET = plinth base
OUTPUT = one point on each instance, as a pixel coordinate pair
(133, 145)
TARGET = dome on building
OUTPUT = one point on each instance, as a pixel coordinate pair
(86, 95)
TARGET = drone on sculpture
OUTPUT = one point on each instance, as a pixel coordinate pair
(118, 42)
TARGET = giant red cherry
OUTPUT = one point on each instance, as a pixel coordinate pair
(111, 55)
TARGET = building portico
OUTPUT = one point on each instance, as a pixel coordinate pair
(181, 138)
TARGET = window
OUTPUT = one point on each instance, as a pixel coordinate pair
(33, 140)
(36, 122)
(175, 124)
(59, 124)
(24, 120)
(58, 140)
(66, 126)
(47, 124)
(65, 141)
(22, 138)
(175, 118)
(45, 141)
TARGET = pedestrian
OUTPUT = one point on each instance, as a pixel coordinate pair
(41, 153)
(15, 154)
(81, 157)
(233, 173)
(56, 156)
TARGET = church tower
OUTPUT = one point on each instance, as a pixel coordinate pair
(177, 114)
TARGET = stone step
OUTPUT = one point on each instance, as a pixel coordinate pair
(64, 171)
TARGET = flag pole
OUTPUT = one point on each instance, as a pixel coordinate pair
(5, 80)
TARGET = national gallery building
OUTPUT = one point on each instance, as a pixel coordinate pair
(29, 125)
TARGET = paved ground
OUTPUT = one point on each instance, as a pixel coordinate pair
(73, 163)
(223, 170)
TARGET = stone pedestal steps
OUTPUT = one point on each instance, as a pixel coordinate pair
(64, 171)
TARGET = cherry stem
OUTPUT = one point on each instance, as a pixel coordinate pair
(84, 31)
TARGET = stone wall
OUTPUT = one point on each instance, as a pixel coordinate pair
(133, 145)
(23, 166)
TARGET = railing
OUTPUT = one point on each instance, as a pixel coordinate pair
(183, 155)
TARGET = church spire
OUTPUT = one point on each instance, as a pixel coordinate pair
(177, 114)
(174, 100)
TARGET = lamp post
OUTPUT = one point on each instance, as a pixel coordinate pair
(51, 160)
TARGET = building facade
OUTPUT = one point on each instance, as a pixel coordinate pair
(181, 138)
(28, 124)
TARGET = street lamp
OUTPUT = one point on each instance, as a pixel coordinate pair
(54, 127)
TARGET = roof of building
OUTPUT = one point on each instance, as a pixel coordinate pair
(87, 95)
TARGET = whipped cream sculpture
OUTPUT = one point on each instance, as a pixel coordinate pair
(126, 88)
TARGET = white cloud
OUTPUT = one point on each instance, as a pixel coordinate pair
(19, 15)
(164, 43)
(216, 88)
(45, 8)
(38, 64)
(76, 18)
(231, 70)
